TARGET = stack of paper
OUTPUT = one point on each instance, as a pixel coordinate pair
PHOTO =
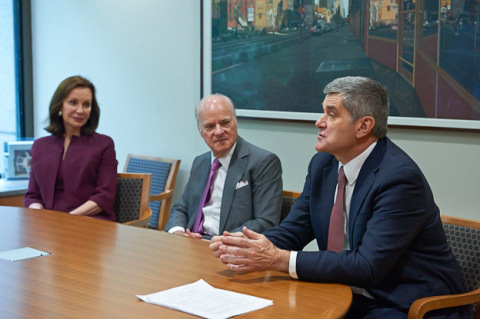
(203, 300)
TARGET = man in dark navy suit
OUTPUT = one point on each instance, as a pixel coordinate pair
(392, 249)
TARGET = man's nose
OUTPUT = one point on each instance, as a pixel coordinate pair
(218, 130)
(320, 122)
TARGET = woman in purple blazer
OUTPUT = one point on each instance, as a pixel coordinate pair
(74, 170)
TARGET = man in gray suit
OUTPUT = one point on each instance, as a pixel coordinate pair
(246, 189)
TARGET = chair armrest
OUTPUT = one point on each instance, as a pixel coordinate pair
(143, 220)
(164, 195)
(421, 306)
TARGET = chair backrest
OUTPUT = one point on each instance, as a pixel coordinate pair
(132, 198)
(164, 174)
(463, 235)
(288, 199)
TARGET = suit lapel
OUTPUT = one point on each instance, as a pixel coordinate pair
(364, 182)
(203, 170)
(50, 174)
(330, 176)
(234, 175)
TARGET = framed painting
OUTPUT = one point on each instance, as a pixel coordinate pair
(274, 57)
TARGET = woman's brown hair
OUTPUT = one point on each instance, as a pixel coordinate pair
(56, 126)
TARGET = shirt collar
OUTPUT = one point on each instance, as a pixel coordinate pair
(225, 161)
(352, 168)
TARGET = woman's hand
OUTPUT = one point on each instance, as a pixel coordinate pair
(36, 206)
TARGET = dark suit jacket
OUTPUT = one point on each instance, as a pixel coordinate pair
(398, 250)
(90, 172)
(256, 205)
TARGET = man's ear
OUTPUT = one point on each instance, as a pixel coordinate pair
(365, 126)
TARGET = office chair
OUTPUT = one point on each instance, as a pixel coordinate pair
(164, 174)
(131, 199)
(288, 199)
(463, 235)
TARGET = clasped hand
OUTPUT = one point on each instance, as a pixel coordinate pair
(249, 251)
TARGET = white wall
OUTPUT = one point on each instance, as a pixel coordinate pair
(144, 58)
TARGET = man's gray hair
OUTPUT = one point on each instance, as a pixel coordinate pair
(226, 98)
(363, 97)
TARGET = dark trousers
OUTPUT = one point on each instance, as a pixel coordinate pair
(366, 308)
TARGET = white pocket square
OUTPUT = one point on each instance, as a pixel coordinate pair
(241, 184)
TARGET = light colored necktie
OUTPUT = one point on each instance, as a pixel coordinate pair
(336, 239)
(198, 225)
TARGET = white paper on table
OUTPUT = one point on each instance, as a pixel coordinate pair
(201, 299)
(22, 253)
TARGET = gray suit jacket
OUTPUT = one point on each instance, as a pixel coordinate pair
(256, 205)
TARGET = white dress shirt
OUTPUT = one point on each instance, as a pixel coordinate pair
(211, 210)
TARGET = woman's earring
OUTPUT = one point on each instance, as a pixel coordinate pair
(59, 113)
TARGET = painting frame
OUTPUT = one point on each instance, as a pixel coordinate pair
(206, 89)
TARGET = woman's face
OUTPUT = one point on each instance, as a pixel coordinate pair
(76, 110)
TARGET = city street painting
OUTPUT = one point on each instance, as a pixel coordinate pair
(273, 58)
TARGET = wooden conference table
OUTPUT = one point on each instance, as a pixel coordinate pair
(97, 267)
